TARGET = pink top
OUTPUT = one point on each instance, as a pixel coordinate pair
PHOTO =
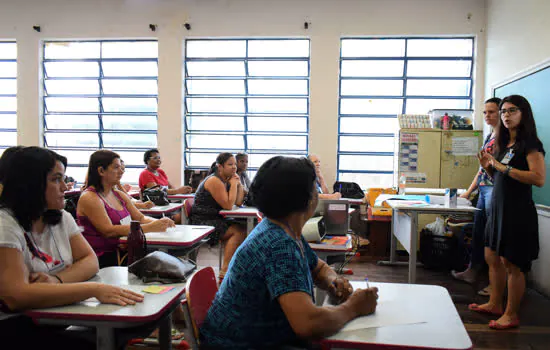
(147, 176)
(100, 243)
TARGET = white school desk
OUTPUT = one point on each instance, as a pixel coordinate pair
(323, 251)
(404, 228)
(248, 213)
(180, 236)
(134, 194)
(353, 201)
(441, 329)
(430, 191)
(160, 210)
(181, 197)
(106, 317)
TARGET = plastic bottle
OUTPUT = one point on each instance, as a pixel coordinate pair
(137, 246)
(445, 122)
(402, 184)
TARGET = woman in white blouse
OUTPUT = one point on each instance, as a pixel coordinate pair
(44, 259)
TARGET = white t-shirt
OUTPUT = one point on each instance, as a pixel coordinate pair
(53, 244)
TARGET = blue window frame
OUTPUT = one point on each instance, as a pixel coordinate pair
(383, 77)
(101, 94)
(247, 95)
(8, 94)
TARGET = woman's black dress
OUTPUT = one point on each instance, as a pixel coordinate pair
(512, 228)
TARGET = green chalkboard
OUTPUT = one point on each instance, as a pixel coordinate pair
(535, 87)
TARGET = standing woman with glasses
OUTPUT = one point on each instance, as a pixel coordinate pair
(44, 259)
(512, 232)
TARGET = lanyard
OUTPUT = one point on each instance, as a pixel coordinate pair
(36, 252)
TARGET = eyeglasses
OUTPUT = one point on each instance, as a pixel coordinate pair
(510, 110)
(155, 158)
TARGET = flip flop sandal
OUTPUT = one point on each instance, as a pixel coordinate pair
(475, 307)
(494, 325)
(485, 292)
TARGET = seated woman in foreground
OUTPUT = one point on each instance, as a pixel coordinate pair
(220, 190)
(266, 299)
(105, 213)
(44, 259)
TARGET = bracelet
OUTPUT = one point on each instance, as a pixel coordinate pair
(507, 170)
(58, 278)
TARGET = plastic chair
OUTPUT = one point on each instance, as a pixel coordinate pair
(187, 205)
(200, 291)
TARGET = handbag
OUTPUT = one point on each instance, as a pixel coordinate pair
(348, 189)
(156, 194)
(161, 267)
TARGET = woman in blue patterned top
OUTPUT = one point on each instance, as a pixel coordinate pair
(266, 299)
(484, 183)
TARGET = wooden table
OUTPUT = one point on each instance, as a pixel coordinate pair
(405, 228)
(248, 213)
(440, 327)
(106, 318)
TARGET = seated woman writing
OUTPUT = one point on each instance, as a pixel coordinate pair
(105, 213)
(220, 190)
(266, 299)
(44, 259)
(320, 183)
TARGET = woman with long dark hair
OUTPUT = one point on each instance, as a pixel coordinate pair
(44, 259)
(511, 239)
(221, 189)
(105, 213)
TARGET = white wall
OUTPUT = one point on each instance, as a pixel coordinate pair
(330, 19)
(518, 37)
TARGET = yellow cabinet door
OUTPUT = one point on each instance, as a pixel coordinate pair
(459, 163)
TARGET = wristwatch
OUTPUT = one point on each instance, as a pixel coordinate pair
(507, 171)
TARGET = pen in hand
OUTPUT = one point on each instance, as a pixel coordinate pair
(367, 280)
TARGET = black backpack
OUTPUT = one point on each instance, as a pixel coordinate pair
(156, 194)
(348, 189)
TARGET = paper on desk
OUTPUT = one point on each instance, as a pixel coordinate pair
(388, 313)
(157, 289)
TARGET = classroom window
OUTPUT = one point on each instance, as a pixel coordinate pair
(101, 94)
(383, 77)
(8, 93)
(247, 95)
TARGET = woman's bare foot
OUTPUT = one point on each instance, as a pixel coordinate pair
(505, 322)
(487, 309)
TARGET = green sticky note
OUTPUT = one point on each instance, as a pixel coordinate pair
(476, 133)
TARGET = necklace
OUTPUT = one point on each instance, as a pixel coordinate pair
(296, 240)
(156, 173)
